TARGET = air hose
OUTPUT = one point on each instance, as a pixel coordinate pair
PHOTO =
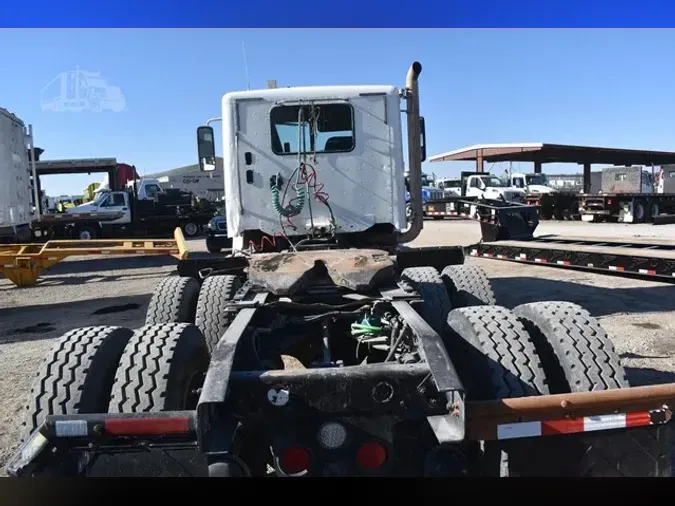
(290, 209)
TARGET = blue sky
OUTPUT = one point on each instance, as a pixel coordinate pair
(604, 87)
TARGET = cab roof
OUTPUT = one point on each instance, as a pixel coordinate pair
(311, 92)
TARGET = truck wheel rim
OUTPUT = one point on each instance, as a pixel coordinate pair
(190, 229)
(85, 235)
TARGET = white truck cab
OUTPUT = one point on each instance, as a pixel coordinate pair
(107, 202)
(321, 161)
(531, 183)
(491, 187)
(665, 179)
(450, 185)
(147, 188)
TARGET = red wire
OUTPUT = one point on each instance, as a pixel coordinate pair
(272, 242)
(310, 180)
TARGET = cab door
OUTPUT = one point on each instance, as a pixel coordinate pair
(117, 202)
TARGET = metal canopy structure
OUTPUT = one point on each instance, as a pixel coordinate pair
(540, 153)
(75, 166)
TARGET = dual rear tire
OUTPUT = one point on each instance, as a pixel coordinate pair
(550, 348)
(536, 349)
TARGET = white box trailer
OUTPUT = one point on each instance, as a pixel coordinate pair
(16, 213)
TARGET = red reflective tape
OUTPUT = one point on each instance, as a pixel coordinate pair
(146, 426)
(638, 419)
(552, 427)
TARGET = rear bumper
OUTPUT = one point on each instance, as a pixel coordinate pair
(158, 433)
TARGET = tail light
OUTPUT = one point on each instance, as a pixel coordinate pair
(294, 460)
(609, 201)
(371, 456)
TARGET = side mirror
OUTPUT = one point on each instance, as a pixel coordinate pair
(423, 140)
(206, 149)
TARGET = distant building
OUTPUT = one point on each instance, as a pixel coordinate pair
(208, 185)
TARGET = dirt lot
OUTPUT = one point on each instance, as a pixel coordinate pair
(639, 315)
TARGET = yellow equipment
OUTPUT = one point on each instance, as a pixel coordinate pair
(23, 263)
(89, 191)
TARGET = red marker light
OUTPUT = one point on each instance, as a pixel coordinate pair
(294, 460)
(146, 426)
(371, 456)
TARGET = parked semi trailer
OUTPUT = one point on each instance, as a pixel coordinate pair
(324, 346)
(628, 195)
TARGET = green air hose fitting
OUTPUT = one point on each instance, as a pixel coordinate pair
(359, 329)
(290, 209)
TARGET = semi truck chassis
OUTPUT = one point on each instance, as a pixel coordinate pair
(463, 386)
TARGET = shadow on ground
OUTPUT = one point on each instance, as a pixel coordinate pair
(48, 321)
(598, 301)
(110, 264)
(638, 376)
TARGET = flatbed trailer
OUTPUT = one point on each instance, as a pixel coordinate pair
(555, 206)
(447, 206)
(508, 234)
(626, 207)
(641, 258)
(157, 225)
(65, 225)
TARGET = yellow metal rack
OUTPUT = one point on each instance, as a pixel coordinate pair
(22, 264)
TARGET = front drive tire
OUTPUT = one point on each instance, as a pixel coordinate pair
(436, 304)
(174, 301)
(212, 318)
(468, 285)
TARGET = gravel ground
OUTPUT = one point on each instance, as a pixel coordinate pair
(638, 315)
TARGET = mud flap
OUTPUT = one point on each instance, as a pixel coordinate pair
(181, 463)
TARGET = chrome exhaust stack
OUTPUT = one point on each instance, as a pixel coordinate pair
(414, 153)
